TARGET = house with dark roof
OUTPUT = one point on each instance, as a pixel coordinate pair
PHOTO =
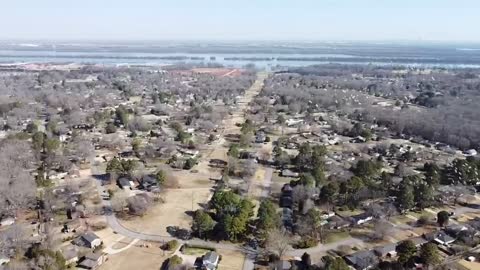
(125, 183)
(337, 222)
(149, 183)
(287, 189)
(282, 265)
(92, 260)
(362, 260)
(286, 201)
(70, 253)
(454, 230)
(287, 218)
(443, 239)
(88, 239)
(386, 251)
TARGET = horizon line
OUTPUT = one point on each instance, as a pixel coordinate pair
(215, 40)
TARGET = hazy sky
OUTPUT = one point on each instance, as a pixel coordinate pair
(446, 20)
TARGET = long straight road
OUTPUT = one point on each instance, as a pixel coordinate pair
(264, 185)
(230, 127)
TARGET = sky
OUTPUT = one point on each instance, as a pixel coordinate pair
(315, 20)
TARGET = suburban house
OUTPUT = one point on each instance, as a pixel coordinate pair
(54, 175)
(289, 173)
(337, 222)
(286, 199)
(4, 260)
(361, 218)
(362, 260)
(7, 221)
(125, 183)
(260, 137)
(327, 215)
(292, 122)
(282, 265)
(387, 251)
(454, 230)
(88, 239)
(470, 153)
(149, 183)
(443, 239)
(92, 260)
(287, 218)
(188, 152)
(210, 260)
(247, 155)
(71, 255)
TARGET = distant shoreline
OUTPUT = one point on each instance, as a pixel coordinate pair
(261, 55)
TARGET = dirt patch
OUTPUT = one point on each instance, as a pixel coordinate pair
(231, 260)
(136, 257)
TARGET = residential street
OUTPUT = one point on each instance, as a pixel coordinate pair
(263, 187)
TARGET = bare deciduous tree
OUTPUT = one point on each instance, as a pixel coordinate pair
(17, 186)
(278, 242)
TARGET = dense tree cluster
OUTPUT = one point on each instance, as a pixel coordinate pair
(442, 104)
(232, 212)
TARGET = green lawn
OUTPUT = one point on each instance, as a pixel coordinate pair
(347, 212)
(195, 251)
(419, 214)
(401, 219)
(333, 237)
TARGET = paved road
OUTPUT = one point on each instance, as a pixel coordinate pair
(322, 249)
(267, 182)
(118, 228)
(250, 255)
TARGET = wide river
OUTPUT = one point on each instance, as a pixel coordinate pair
(238, 56)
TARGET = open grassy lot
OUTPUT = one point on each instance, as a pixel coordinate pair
(174, 212)
(195, 251)
(401, 219)
(336, 236)
(468, 265)
(231, 260)
(136, 257)
(345, 212)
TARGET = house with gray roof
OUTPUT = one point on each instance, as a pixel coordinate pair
(210, 260)
(92, 260)
(88, 239)
(387, 251)
(362, 260)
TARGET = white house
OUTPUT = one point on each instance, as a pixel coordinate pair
(210, 260)
(444, 239)
(7, 221)
(88, 239)
(4, 260)
(470, 153)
